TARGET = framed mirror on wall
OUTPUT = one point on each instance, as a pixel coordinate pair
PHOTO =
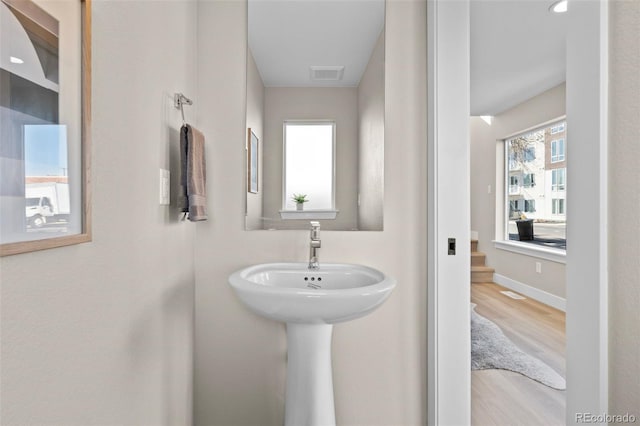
(315, 101)
(45, 110)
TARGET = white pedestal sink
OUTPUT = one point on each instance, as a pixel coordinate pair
(310, 302)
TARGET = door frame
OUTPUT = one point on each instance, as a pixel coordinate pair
(448, 358)
(448, 214)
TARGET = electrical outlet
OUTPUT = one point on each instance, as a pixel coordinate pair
(539, 267)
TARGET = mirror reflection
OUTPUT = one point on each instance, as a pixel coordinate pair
(315, 113)
(40, 136)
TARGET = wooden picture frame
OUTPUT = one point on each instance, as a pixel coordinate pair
(253, 161)
(54, 29)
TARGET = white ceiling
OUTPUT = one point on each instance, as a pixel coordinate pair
(517, 52)
(517, 46)
(287, 37)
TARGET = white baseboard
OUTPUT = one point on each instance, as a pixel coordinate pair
(532, 292)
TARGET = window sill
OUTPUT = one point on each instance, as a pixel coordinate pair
(308, 214)
(554, 255)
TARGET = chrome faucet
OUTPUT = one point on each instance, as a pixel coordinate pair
(314, 245)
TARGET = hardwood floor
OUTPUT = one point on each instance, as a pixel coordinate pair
(504, 398)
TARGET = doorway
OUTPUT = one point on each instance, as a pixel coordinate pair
(448, 277)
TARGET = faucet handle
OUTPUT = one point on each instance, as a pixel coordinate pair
(315, 230)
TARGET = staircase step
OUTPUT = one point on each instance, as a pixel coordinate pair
(477, 258)
(474, 245)
(482, 274)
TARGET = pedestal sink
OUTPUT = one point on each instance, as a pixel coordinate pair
(310, 301)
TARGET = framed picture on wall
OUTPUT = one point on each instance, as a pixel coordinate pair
(252, 162)
(45, 111)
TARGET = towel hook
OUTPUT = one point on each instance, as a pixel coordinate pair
(178, 101)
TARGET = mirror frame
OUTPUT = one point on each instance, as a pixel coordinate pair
(8, 249)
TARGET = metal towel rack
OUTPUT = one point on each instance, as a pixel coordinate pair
(178, 101)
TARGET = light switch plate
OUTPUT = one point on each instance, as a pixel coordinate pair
(165, 192)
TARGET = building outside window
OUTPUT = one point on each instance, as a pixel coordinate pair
(536, 184)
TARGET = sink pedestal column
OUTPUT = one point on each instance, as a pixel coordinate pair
(309, 400)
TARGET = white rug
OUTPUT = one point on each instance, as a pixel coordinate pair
(491, 349)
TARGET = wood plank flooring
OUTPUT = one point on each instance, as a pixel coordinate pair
(504, 398)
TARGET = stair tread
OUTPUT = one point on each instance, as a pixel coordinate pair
(482, 269)
(477, 253)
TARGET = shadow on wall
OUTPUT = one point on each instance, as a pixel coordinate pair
(163, 335)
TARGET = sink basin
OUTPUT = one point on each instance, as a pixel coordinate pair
(310, 302)
(292, 293)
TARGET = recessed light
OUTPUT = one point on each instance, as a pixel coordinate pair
(15, 60)
(559, 6)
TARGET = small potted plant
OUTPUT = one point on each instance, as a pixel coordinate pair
(299, 199)
(525, 228)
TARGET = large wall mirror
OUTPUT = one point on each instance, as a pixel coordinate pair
(45, 64)
(315, 114)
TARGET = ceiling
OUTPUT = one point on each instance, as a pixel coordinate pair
(517, 46)
(287, 37)
(517, 52)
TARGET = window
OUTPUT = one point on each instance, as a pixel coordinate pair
(513, 164)
(308, 163)
(529, 154)
(529, 180)
(557, 150)
(557, 206)
(558, 179)
(514, 185)
(529, 206)
(535, 187)
(557, 129)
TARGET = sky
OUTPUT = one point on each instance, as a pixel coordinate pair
(45, 149)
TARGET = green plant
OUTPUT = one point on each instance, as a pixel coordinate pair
(299, 198)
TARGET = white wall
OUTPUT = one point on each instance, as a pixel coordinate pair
(371, 141)
(624, 205)
(301, 103)
(101, 333)
(379, 360)
(485, 171)
(255, 121)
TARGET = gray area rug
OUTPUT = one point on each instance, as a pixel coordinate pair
(490, 348)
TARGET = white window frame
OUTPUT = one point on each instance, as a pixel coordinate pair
(329, 213)
(502, 241)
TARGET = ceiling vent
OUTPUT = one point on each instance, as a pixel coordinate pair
(333, 73)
